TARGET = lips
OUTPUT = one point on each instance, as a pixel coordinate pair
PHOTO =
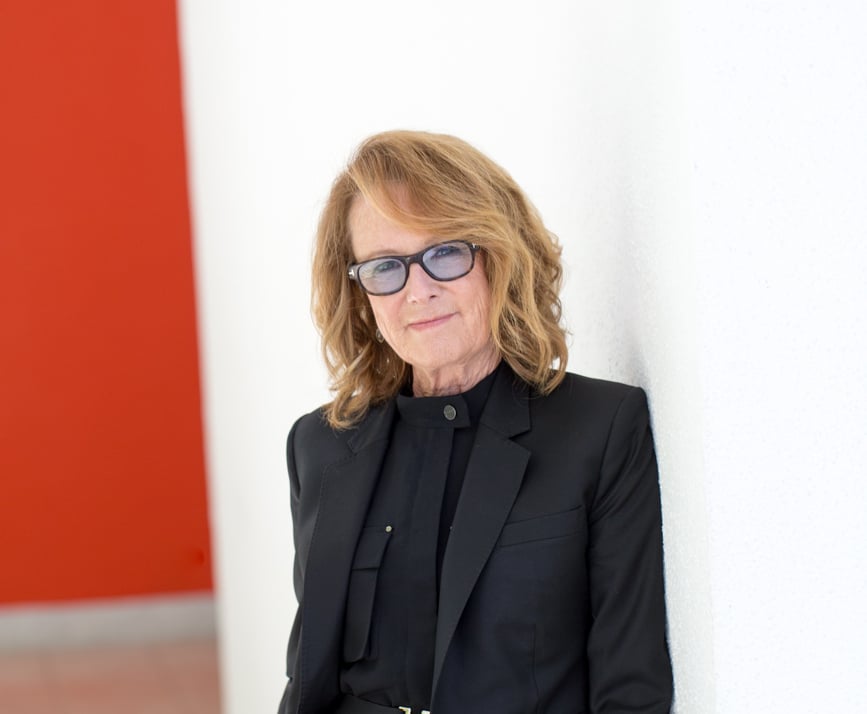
(430, 322)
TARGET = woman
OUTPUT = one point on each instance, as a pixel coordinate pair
(476, 530)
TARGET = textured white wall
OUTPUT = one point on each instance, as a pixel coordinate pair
(779, 147)
(704, 168)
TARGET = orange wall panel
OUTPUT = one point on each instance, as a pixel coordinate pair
(102, 481)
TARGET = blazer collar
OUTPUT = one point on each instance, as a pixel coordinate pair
(507, 411)
(376, 426)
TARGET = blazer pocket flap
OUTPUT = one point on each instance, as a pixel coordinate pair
(361, 596)
(554, 525)
(371, 547)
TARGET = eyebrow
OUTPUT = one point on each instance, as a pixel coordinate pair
(390, 253)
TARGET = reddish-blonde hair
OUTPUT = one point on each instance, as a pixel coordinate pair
(453, 191)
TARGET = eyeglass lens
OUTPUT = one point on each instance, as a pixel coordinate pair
(446, 261)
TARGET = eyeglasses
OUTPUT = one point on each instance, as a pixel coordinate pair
(387, 275)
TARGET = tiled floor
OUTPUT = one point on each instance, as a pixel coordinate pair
(164, 678)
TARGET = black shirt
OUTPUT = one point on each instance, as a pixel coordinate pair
(392, 599)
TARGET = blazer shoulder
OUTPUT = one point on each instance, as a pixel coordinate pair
(587, 406)
(594, 383)
(312, 425)
(312, 442)
(599, 395)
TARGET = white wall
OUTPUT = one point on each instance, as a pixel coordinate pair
(704, 168)
(779, 145)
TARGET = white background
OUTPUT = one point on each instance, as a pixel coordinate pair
(704, 166)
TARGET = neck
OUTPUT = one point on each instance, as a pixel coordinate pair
(454, 379)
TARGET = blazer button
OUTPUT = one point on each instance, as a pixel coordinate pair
(449, 412)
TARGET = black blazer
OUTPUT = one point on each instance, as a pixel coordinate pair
(551, 595)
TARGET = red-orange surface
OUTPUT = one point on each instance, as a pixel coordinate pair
(102, 483)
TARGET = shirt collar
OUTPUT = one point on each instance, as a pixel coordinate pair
(454, 411)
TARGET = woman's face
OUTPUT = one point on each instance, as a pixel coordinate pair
(442, 329)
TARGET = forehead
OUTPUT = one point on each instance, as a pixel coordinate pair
(373, 234)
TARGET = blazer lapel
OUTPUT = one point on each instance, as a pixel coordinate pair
(494, 475)
(346, 490)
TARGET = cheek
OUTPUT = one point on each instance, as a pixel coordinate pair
(382, 313)
(481, 309)
(482, 327)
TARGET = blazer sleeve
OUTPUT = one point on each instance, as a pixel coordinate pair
(629, 664)
(289, 701)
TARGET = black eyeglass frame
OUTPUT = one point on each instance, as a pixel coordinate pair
(408, 260)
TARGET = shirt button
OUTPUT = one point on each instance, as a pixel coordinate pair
(388, 529)
(449, 412)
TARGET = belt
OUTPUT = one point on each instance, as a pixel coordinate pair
(354, 705)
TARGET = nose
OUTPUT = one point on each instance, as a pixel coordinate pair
(420, 286)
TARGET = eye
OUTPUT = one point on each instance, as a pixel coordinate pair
(382, 267)
(446, 250)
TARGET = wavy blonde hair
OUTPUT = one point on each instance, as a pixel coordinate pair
(454, 192)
